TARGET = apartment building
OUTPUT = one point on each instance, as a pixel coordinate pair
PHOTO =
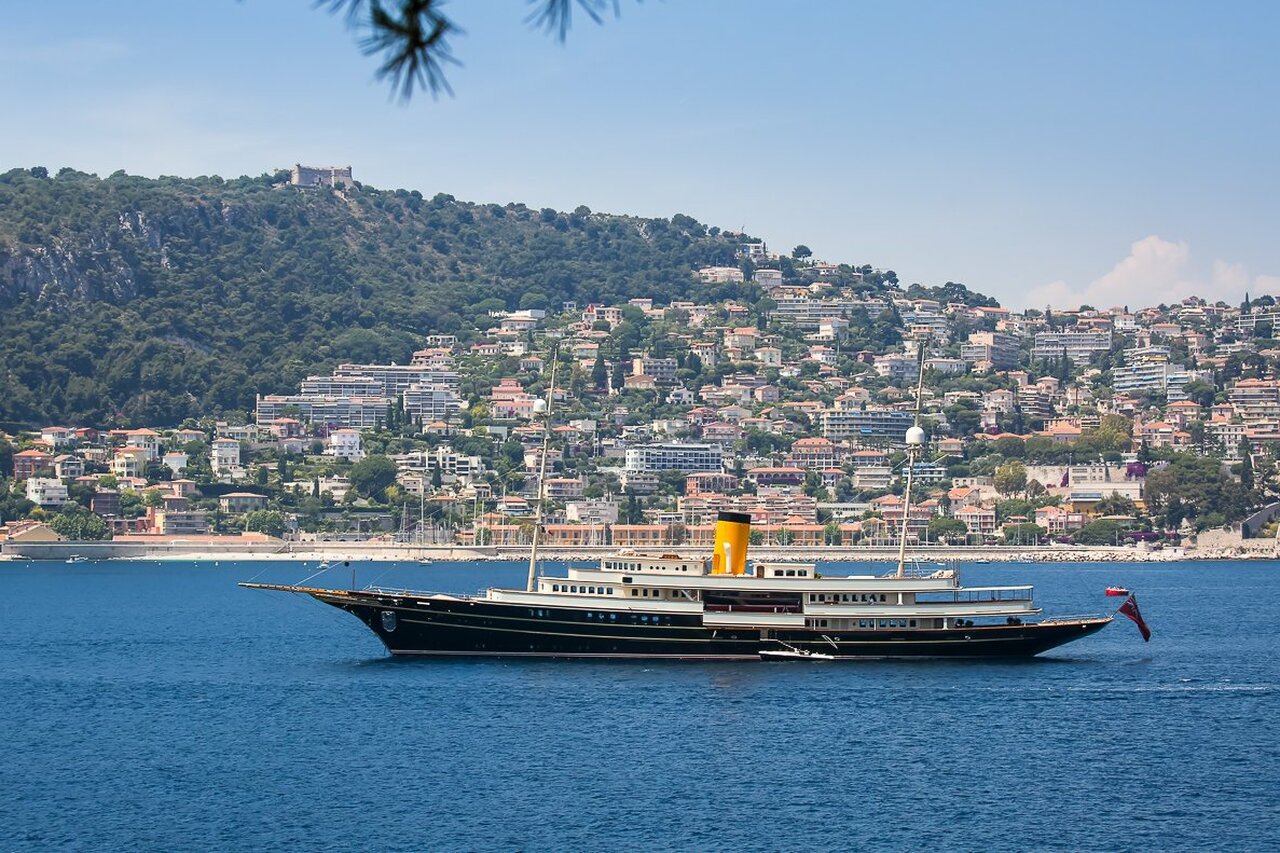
(675, 456)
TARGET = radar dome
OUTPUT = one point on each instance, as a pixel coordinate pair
(915, 436)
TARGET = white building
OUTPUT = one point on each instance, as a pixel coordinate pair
(174, 461)
(675, 456)
(225, 455)
(344, 444)
(46, 491)
(898, 367)
(1080, 347)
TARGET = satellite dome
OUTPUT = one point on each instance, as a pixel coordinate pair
(915, 436)
(539, 406)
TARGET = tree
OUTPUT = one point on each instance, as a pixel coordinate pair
(371, 476)
(1104, 531)
(943, 529)
(270, 522)
(599, 373)
(1024, 534)
(79, 525)
(1115, 504)
(1193, 487)
(412, 37)
(1200, 392)
(1011, 478)
(801, 252)
(1246, 464)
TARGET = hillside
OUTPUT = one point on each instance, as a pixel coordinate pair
(128, 300)
(133, 300)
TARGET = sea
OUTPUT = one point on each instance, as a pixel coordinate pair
(158, 706)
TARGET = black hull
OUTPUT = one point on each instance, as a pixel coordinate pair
(445, 627)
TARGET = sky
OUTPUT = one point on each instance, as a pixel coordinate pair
(1045, 153)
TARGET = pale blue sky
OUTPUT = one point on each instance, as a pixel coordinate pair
(1119, 152)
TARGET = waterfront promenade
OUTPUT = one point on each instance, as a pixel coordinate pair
(1226, 547)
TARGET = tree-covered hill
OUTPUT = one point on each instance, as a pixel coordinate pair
(127, 300)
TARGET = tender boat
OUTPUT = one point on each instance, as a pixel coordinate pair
(789, 652)
(77, 558)
(1117, 590)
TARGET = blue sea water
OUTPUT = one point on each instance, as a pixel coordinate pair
(152, 706)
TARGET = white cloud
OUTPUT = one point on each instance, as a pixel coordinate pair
(1155, 271)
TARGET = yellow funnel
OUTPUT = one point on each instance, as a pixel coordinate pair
(733, 532)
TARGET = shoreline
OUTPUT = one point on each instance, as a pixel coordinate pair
(348, 552)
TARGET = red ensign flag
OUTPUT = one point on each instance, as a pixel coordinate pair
(1130, 609)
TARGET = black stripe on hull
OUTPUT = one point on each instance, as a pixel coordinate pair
(457, 627)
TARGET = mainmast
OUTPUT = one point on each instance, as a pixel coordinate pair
(542, 470)
(915, 441)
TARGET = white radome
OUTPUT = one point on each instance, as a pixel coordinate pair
(915, 436)
(539, 406)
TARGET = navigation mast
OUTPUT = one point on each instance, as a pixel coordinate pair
(915, 441)
(542, 470)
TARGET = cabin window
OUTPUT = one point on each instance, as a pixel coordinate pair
(555, 587)
(635, 591)
(862, 623)
(882, 598)
(911, 623)
(791, 573)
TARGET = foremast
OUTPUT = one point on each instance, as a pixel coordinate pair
(542, 471)
(915, 441)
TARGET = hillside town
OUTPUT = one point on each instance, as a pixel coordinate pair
(1090, 425)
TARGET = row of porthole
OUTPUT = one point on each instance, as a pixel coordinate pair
(640, 618)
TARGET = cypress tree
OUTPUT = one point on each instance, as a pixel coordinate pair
(599, 372)
(1246, 464)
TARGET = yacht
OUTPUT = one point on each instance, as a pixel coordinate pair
(725, 607)
(636, 605)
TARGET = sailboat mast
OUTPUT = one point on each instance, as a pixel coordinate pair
(915, 440)
(542, 472)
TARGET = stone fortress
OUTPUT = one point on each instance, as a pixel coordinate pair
(320, 176)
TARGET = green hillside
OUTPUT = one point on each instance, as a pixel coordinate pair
(128, 300)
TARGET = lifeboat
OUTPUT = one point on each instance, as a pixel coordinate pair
(1117, 590)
